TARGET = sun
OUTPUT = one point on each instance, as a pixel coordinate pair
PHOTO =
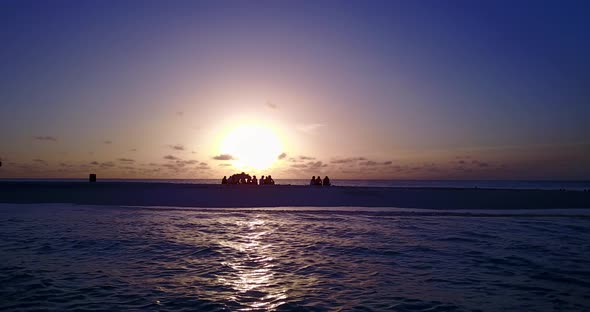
(253, 147)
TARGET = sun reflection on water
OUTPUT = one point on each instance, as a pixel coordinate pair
(250, 270)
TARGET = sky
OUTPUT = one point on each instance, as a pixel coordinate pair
(349, 89)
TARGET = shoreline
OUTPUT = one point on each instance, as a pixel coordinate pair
(250, 196)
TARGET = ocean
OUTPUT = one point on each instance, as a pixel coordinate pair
(67, 257)
(498, 184)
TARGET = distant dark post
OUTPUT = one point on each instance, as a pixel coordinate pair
(92, 177)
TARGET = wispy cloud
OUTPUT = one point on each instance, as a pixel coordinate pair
(309, 128)
(306, 158)
(271, 105)
(126, 160)
(107, 142)
(171, 157)
(177, 147)
(347, 160)
(180, 113)
(312, 165)
(40, 161)
(316, 165)
(282, 156)
(223, 157)
(107, 164)
(372, 163)
(45, 138)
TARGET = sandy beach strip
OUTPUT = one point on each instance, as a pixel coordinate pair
(241, 196)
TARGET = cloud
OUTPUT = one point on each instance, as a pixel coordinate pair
(309, 128)
(126, 160)
(306, 158)
(464, 164)
(40, 161)
(316, 165)
(171, 167)
(223, 157)
(177, 147)
(170, 157)
(282, 156)
(347, 160)
(203, 164)
(180, 114)
(108, 164)
(182, 163)
(224, 165)
(372, 163)
(133, 150)
(107, 142)
(479, 163)
(368, 163)
(271, 105)
(312, 165)
(95, 163)
(45, 138)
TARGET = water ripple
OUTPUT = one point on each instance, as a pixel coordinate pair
(60, 257)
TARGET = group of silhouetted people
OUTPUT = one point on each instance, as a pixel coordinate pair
(318, 181)
(244, 178)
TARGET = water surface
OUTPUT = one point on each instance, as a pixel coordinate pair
(64, 257)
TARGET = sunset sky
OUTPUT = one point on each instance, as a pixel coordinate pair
(349, 89)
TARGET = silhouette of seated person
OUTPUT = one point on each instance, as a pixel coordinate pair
(262, 179)
(312, 181)
(254, 180)
(224, 180)
(326, 181)
(269, 180)
(318, 181)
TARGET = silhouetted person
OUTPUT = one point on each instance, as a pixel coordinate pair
(224, 180)
(261, 180)
(326, 181)
(254, 181)
(312, 181)
(318, 181)
(269, 180)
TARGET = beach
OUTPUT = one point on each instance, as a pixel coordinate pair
(243, 196)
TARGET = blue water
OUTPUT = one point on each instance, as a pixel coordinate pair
(66, 257)
(500, 184)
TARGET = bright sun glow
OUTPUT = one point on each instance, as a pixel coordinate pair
(253, 147)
